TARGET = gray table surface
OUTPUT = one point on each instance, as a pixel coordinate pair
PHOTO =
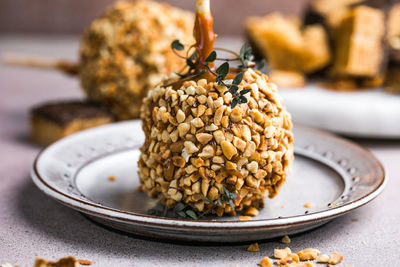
(32, 224)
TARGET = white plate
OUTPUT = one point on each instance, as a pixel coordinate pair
(335, 175)
(369, 113)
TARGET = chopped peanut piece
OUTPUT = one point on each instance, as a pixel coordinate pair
(286, 240)
(253, 248)
(251, 212)
(292, 257)
(305, 264)
(228, 149)
(245, 218)
(282, 253)
(204, 138)
(85, 262)
(335, 258)
(265, 262)
(190, 147)
(112, 178)
(323, 258)
(308, 205)
(180, 116)
(308, 254)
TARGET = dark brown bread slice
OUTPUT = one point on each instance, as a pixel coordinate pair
(52, 121)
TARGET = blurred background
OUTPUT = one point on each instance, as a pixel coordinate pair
(72, 16)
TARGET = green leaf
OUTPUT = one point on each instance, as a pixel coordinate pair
(227, 193)
(219, 202)
(212, 57)
(233, 89)
(245, 91)
(192, 214)
(177, 45)
(207, 200)
(223, 70)
(231, 204)
(249, 54)
(181, 214)
(152, 212)
(179, 207)
(235, 101)
(243, 99)
(165, 211)
(238, 79)
(243, 50)
(260, 64)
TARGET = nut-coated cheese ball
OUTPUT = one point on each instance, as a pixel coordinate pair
(126, 51)
(197, 146)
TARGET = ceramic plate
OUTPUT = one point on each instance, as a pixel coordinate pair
(333, 174)
(368, 113)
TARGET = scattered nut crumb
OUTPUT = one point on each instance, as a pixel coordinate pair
(282, 253)
(286, 240)
(308, 205)
(253, 248)
(112, 178)
(85, 262)
(302, 258)
(335, 258)
(308, 254)
(323, 258)
(245, 218)
(290, 259)
(305, 264)
(68, 261)
(265, 262)
(251, 212)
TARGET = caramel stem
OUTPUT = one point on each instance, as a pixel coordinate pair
(203, 31)
(67, 67)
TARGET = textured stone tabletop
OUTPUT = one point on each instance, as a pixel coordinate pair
(32, 224)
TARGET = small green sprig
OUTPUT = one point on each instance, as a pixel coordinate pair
(185, 211)
(245, 57)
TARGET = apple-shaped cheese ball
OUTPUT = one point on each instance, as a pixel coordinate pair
(198, 149)
(126, 51)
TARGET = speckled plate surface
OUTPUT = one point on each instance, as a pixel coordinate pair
(333, 174)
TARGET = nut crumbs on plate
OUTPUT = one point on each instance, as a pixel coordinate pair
(253, 248)
(286, 240)
(308, 254)
(323, 258)
(291, 258)
(251, 212)
(335, 258)
(112, 178)
(308, 205)
(282, 253)
(84, 262)
(303, 258)
(245, 218)
(265, 262)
